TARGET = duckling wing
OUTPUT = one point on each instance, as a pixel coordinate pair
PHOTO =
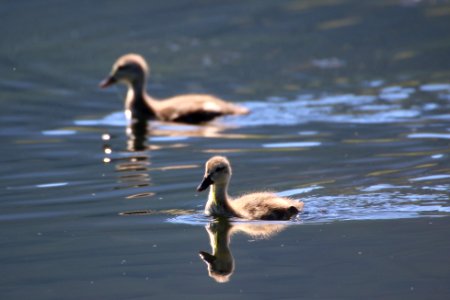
(266, 206)
(196, 108)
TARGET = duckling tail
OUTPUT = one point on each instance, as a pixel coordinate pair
(240, 110)
(298, 205)
(293, 210)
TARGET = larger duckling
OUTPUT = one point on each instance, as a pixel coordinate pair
(254, 206)
(132, 70)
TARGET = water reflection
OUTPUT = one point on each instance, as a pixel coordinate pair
(133, 167)
(137, 135)
(158, 131)
(378, 102)
(220, 262)
(411, 153)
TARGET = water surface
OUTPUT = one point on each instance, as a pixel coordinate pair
(351, 110)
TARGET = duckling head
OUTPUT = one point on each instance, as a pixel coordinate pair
(130, 69)
(220, 269)
(217, 171)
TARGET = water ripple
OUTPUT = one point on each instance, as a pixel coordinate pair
(379, 187)
(435, 87)
(297, 191)
(369, 206)
(431, 177)
(391, 104)
(374, 206)
(292, 145)
(429, 135)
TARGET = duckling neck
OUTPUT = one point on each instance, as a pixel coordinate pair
(138, 105)
(218, 203)
(220, 242)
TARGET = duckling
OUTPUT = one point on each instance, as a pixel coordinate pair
(254, 206)
(132, 70)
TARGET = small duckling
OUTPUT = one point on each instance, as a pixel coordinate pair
(255, 206)
(132, 70)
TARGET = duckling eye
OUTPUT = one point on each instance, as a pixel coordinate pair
(123, 67)
(219, 169)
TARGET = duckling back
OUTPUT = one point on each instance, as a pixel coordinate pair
(266, 206)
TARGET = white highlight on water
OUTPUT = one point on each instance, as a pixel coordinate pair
(429, 135)
(57, 132)
(51, 185)
(379, 187)
(431, 177)
(292, 145)
(304, 190)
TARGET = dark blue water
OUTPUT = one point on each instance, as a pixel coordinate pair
(350, 113)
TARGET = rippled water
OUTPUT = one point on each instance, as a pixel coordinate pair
(373, 198)
(350, 114)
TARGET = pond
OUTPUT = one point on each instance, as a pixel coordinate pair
(350, 106)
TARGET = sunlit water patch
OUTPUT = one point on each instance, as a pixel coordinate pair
(51, 185)
(193, 219)
(395, 93)
(418, 195)
(389, 104)
(435, 87)
(292, 192)
(383, 201)
(200, 219)
(308, 133)
(374, 206)
(40, 186)
(428, 135)
(292, 145)
(168, 138)
(379, 187)
(439, 187)
(431, 177)
(114, 119)
(58, 132)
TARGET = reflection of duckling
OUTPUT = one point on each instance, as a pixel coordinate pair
(132, 70)
(137, 135)
(221, 262)
(255, 206)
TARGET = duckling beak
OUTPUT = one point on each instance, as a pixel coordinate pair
(205, 256)
(207, 181)
(107, 82)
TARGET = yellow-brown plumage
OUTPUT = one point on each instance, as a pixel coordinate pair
(133, 70)
(254, 206)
